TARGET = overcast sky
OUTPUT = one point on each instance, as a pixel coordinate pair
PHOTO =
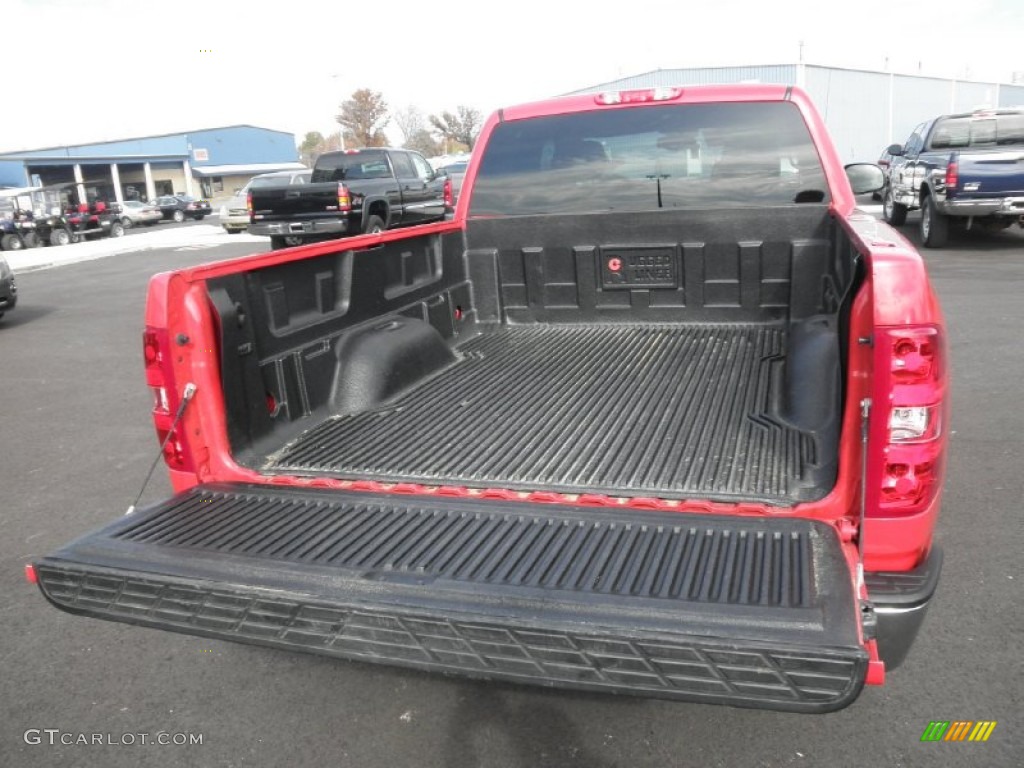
(109, 69)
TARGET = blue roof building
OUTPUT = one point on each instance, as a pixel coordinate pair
(207, 162)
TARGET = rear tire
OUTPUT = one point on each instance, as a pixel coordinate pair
(374, 225)
(11, 243)
(200, 217)
(934, 226)
(60, 236)
(32, 240)
(117, 229)
(893, 213)
(127, 223)
(277, 243)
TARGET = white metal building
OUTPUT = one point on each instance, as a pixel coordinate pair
(865, 111)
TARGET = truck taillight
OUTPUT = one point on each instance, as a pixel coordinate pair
(248, 203)
(952, 175)
(914, 359)
(344, 198)
(915, 430)
(919, 422)
(160, 378)
(449, 198)
(153, 353)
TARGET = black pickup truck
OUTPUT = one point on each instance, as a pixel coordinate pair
(967, 167)
(351, 192)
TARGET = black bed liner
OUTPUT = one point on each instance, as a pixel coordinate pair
(511, 356)
(675, 411)
(744, 611)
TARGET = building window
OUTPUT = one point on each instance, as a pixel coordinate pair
(218, 183)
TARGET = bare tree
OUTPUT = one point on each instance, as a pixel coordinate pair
(463, 127)
(315, 144)
(308, 149)
(471, 122)
(409, 121)
(423, 141)
(363, 117)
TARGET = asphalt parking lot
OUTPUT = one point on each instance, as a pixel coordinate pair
(75, 444)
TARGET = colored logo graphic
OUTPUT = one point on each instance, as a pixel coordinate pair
(958, 730)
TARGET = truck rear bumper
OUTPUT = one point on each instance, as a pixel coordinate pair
(748, 612)
(1008, 206)
(901, 601)
(271, 228)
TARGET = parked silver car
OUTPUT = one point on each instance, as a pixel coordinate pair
(134, 213)
(234, 216)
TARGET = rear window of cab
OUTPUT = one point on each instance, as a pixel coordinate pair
(364, 164)
(646, 158)
(978, 131)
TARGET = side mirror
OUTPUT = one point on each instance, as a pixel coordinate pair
(896, 150)
(865, 177)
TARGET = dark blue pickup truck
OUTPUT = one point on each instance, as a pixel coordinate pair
(969, 166)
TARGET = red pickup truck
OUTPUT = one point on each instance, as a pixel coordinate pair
(659, 412)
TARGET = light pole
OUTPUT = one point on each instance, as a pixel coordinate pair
(341, 128)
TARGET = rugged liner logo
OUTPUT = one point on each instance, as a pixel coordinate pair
(958, 730)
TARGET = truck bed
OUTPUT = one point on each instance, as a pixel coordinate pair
(511, 358)
(683, 410)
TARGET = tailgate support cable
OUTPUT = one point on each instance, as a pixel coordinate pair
(186, 398)
(865, 413)
(868, 617)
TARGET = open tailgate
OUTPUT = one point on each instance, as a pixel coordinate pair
(745, 611)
